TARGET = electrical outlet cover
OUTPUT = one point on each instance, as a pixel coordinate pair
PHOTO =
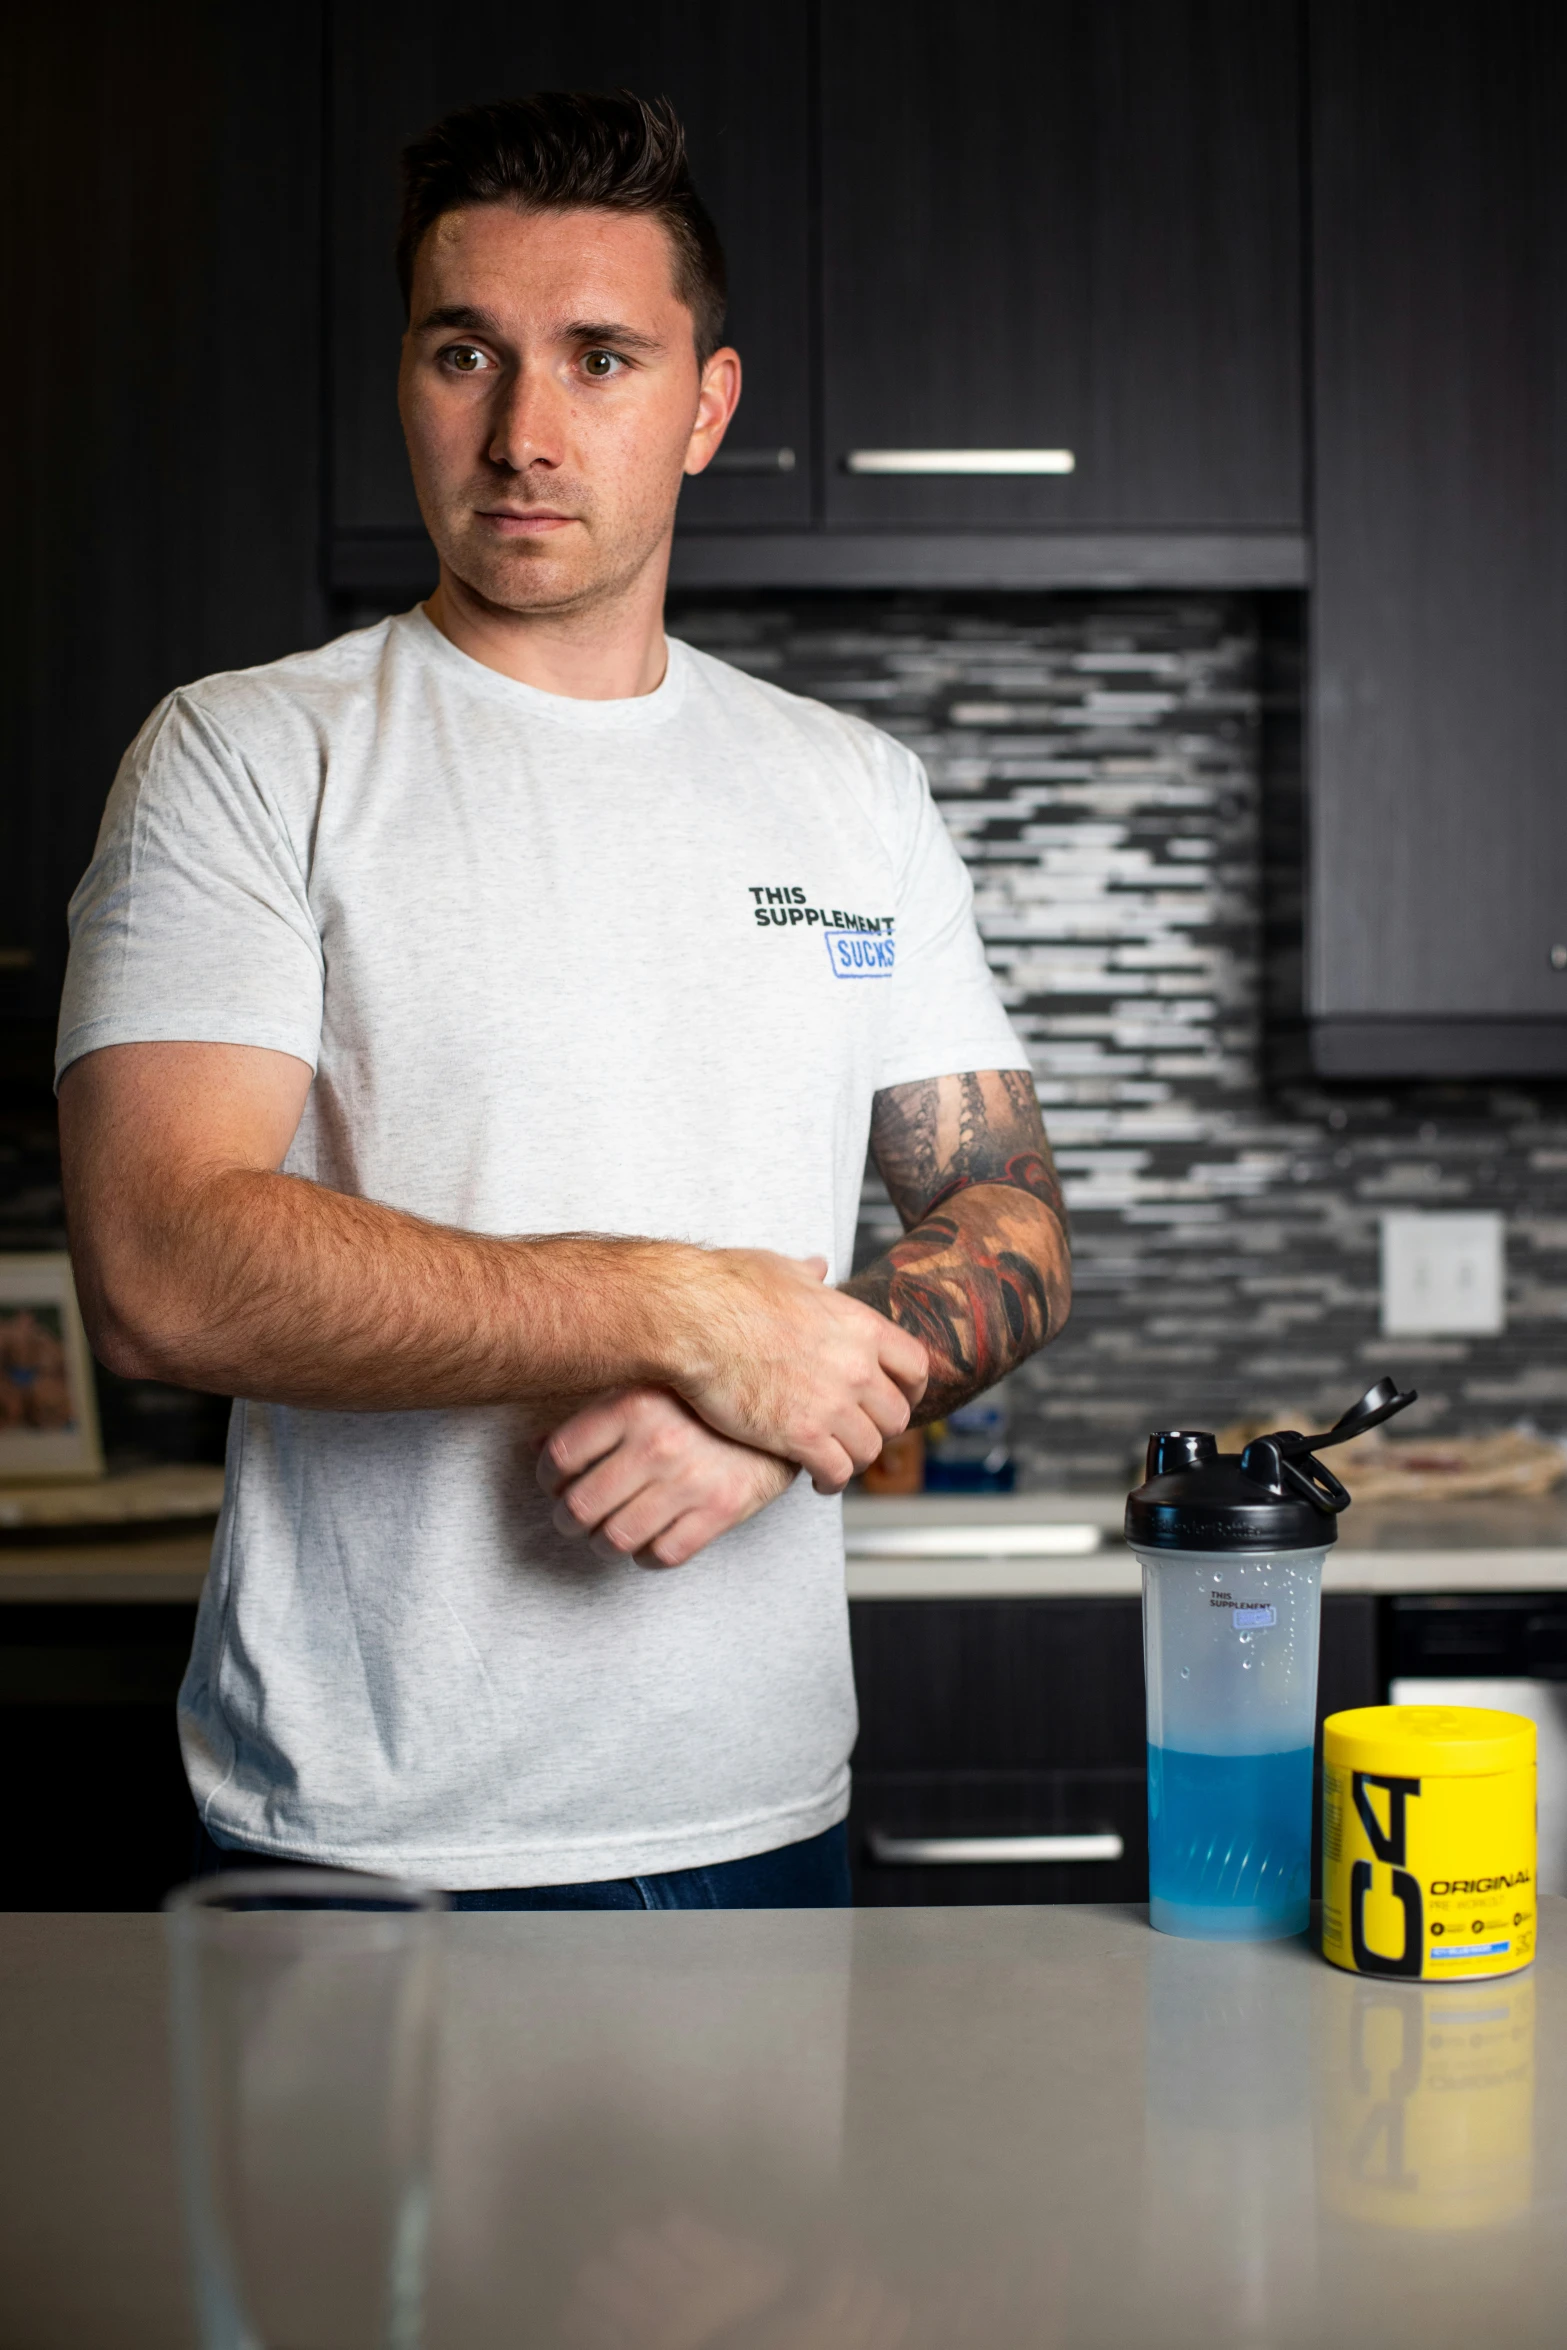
(1443, 1276)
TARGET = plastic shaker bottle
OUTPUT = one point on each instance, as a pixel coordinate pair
(1232, 1546)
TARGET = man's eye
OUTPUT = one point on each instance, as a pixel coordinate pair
(463, 359)
(600, 364)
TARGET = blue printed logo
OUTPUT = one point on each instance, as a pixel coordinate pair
(859, 954)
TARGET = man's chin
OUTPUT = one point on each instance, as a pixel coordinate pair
(520, 579)
(538, 577)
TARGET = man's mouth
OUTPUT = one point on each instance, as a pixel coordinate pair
(509, 522)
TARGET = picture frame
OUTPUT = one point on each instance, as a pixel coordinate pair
(48, 1404)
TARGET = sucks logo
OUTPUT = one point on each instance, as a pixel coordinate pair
(854, 956)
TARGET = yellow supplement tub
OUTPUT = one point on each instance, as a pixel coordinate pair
(1428, 1841)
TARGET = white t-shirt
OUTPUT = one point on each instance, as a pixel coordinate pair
(625, 967)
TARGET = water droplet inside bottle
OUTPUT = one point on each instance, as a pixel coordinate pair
(1186, 1672)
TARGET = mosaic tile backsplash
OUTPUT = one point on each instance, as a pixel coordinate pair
(1118, 775)
(1100, 763)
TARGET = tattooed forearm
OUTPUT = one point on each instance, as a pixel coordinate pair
(983, 1277)
(982, 1283)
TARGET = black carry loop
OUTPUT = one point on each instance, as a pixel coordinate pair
(1283, 1462)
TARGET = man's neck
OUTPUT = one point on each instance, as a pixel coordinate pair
(608, 651)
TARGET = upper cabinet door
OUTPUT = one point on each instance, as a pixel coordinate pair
(1439, 626)
(740, 79)
(1062, 226)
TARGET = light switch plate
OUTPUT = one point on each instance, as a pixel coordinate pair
(1443, 1276)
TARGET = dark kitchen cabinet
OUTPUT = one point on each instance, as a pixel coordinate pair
(1494, 1636)
(162, 488)
(1063, 225)
(98, 1814)
(998, 1717)
(1438, 835)
(740, 79)
(1025, 1717)
(1070, 225)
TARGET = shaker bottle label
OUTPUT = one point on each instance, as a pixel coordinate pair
(1253, 1619)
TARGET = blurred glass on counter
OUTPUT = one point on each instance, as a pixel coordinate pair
(303, 2041)
(1426, 2117)
(969, 1451)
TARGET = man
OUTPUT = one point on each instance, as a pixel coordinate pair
(510, 917)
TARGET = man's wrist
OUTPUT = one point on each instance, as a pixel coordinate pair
(671, 1326)
(590, 1313)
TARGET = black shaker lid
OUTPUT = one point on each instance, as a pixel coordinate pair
(1272, 1496)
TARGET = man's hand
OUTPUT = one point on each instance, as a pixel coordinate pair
(642, 1477)
(783, 1363)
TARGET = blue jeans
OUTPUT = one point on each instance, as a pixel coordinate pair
(810, 1875)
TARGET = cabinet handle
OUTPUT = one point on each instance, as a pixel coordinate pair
(960, 461)
(972, 1542)
(982, 1851)
(753, 461)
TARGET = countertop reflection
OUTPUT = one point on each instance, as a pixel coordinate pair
(860, 2131)
(1001, 2127)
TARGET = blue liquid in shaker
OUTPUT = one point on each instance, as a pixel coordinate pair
(1229, 1844)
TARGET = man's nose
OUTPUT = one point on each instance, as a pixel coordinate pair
(528, 421)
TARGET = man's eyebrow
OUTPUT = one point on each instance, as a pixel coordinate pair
(597, 330)
(457, 314)
(464, 317)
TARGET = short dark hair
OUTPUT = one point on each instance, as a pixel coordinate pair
(559, 150)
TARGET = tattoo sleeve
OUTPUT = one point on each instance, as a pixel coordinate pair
(982, 1274)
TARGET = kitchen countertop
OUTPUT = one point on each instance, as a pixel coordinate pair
(1068, 1546)
(146, 1568)
(138, 1534)
(952, 1546)
(871, 2130)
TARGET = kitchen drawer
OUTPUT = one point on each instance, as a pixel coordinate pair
(922, 1836)
(999, 1684)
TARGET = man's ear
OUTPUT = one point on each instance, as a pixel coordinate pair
(717, 401)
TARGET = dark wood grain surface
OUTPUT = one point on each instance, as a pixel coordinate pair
(162, 411)
(1071, 225)
(1439, 809)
